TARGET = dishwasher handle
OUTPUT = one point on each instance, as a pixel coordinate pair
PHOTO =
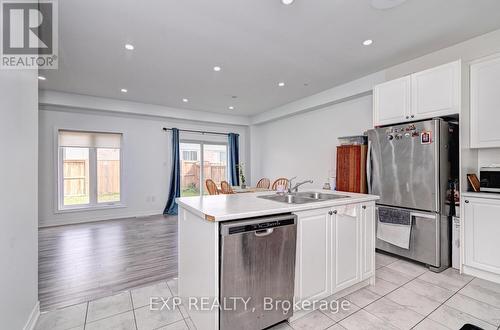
(264, 232)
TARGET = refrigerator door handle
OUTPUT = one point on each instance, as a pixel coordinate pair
(423, 215)
(369, 167)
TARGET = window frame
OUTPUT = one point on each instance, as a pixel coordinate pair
(93, 204)
(202, 158)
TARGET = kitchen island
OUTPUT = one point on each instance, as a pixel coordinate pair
(335, 245)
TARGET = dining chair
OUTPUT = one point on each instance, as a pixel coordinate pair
(280, 182)
(264, 183)
(225, 188)
(211, 187)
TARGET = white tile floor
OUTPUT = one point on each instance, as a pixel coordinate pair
(406, 296)
(126, 310)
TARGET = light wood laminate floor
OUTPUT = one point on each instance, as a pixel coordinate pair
(78, 263)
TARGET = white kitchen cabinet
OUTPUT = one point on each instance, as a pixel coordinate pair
(481, 235)
(367, 240)
(346, 254)
(485, 102)
(436, 92)
(423, 95)
(335, 249)
(312, 271)
(391, 102)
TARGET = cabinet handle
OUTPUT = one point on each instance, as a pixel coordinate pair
(334, 211)
(364, 207)
(412, 116)
(330, 213)
(407, 117)
(467, 201)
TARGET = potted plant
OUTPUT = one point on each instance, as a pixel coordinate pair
(241, 171)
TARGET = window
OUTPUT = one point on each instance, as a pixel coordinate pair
(190, 155)
(89, 169)
(213, 156)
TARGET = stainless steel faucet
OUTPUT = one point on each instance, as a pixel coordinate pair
(297, 185)
(290, 180)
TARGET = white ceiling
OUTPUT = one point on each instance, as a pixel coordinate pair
(312, 45)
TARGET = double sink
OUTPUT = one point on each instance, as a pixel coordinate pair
(302, 197)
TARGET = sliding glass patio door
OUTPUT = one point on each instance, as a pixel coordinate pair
(200, 161)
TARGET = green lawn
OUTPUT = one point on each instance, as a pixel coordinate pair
(80, 200)
(188, 192)
(113, 197)
(76, 200)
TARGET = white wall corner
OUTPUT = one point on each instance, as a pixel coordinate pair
(33, 318)
(78, 101)
(338, 94)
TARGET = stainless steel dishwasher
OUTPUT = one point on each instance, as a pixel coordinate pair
(257, 263)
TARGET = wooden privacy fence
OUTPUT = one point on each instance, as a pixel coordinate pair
(190, 175)
(76, 180)
(108, 177)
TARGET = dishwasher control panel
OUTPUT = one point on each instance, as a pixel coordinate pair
(260, 226)
(257, 224)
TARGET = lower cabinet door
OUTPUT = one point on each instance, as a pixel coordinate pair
(312, 272)
(346, 252)
(481, 234)
(367, 240)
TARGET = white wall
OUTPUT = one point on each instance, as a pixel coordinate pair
(305, 145)
(146, 160)
(18, 198)
(265, 161)
(469, 50)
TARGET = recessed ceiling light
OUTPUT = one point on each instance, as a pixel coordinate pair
(185, 100)
(129, 47)
(123, 90)
(281, 84)
(368, 42)
(41, 78)
(231, 107)
(217, 68)
(287, 2)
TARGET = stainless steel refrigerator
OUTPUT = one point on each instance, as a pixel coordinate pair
(409, 167)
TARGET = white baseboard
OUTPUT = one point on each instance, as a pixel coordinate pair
(485, 275)
(34, 315)
(43, 223)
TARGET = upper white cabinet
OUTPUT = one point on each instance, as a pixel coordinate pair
(481, 233)
(391, 101)
(485, 103)
(423, 95)
(436, 92)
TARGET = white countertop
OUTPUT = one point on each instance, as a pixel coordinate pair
(239, 206)
(473, 194)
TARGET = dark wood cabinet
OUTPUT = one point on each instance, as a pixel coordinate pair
(351, 168)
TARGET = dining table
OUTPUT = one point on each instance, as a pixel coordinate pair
(239, 190)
